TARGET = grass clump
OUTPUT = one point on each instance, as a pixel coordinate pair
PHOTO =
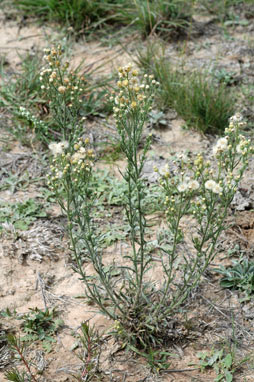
(203, 104)
(78, 14)
(149, 16)
(165, 18)
(22, 87)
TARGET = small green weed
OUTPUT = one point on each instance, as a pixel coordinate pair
(90, 341)
(21, 215)
(234, 251)
(222, 9)
(18, 349)
(113, 234)
(224, 364)
(223, 76)
(14, 182)
(156, 359)
(157, 119)
(239, 276)
(40, 325)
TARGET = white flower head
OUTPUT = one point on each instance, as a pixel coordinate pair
(211, 185)
(221, 145)
(193, 185)
(235, 119)
(241, 148)
(217, 189)
(59, 174)
(164, 170)
(182, 187)
(61, 89)
(58, 147)
(79, 155)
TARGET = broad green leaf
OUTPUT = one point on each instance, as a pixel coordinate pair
(228, 361)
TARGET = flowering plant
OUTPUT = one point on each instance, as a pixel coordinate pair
(64, 90)
(205, 198)
(141, 292)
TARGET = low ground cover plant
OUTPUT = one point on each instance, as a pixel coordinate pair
(21, 215)
(127, 290)
(223, 362)
(240, 275)
(38, 325)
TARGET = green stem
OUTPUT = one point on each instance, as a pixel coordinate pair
(169, 279)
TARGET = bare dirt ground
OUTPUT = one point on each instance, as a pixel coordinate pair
(35, 264)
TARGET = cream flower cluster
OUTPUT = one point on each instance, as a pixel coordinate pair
(76, 165)
(58, 148)
(235, 122)
(242, 147)
(56, 77)
(79, 155)
(236, 119)
(132, 94)
(211, 185)
(37, 124)
(221, 146)
(191, 185)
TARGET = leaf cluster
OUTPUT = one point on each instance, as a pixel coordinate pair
(21, 214)
(41, 325)
(223, 363)
(238, 276)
